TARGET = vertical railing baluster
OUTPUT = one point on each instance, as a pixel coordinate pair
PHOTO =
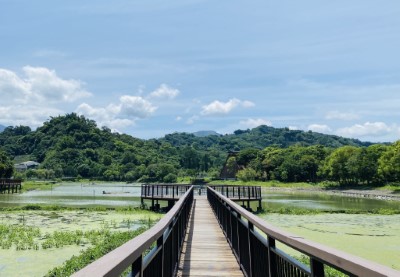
(317, 268)
(137, 269)
(250, 227)
(271, 257)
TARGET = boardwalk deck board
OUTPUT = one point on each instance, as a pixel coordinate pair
(206, 251)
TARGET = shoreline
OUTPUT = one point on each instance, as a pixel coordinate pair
(371, 194)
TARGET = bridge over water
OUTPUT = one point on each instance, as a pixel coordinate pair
(211, 235)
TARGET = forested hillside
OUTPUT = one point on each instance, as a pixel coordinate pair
(260, 138)
(73, 146)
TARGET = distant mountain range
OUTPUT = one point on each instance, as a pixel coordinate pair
(205, 134)
(2, 127)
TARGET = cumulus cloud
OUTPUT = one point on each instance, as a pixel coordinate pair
(221, 108)
(341, 116)
(136, 107)
(32, 97)
(32, 116)
(107, 116)
(368, 129)
(320, 128)
(164, 92)
(120, 115)
(41, 85)
(254, 122)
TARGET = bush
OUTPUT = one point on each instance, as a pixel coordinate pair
(170, 178)
(246, 175)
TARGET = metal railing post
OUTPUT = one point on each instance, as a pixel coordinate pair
(317, 268)
(271, 257)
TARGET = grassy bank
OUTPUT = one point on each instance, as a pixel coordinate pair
(38, 185)
(325, 185)
(302, 211)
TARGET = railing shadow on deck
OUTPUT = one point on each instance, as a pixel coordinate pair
(253, 242)
(162, 260)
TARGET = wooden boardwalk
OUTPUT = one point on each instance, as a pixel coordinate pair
(206, 251)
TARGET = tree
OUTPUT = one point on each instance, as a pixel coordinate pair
(341, 165)
(389, 163)
(6, 166)
(246, 175)
(231, 166)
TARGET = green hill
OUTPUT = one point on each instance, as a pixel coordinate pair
(74, 146)
(260, 138)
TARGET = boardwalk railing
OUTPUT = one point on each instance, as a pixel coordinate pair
(162, 260)
(253, 242)
(161, 192)
(10, 185)
(239, 192)
(244, 194)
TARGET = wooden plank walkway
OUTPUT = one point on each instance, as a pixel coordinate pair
(206, 251)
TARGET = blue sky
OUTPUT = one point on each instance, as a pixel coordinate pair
(148, 68)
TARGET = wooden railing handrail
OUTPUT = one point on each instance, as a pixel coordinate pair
(333, 257)
(118, 260)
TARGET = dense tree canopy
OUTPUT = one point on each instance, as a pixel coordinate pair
(6, 166)
(73, 146)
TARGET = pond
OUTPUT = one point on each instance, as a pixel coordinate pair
(322, 201)
(373, 237)
(37, 262)
(31, 262)
(78, 195)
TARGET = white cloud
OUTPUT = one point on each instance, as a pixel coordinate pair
(178, 118)
(12, 88)
(247, 104)
(108, 116)
(254, 122)
(164, 91)
(40, 85)
(121, 115)
(221, 108)
(32, 116)
(46, 86)
(35, 95)
(136, 107)
(368, 129)
(342, 116)
(320, 128)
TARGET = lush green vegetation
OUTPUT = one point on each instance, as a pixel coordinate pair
(303, 211)
(346, 165)
(6, 166)
(102, 246)
(73, 146)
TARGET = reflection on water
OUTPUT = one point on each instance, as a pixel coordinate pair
(321, 201)
(77, 194)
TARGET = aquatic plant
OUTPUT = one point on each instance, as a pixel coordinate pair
(100, 248)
